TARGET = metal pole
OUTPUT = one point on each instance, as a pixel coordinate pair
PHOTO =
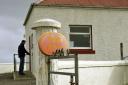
(76, 70)
(48, 71)
(14, 63)
(121, 51)
(71, 80)
(30, 63)
(30, 53)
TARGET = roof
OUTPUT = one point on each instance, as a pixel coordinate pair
(123, 4)
(87, 3)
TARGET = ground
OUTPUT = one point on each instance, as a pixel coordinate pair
(7, 79)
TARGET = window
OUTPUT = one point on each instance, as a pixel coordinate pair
(80, 37)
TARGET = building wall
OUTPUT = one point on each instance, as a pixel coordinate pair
(109, 29)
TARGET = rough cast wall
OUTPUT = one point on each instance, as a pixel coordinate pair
(109, 28)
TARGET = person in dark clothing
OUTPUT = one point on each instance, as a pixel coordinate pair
(21, 53)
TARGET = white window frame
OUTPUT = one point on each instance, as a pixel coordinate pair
(75, 33)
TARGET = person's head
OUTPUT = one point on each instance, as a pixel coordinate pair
(23, 41)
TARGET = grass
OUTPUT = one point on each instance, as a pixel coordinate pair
(6, 75)
(8, 79)
(28, 75)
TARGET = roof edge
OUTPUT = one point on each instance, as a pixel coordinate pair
(57, 5)
(28, 14)
(82, 6)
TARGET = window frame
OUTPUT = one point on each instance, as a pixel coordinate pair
(82, 50)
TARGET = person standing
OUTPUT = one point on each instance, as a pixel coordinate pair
(21, 53)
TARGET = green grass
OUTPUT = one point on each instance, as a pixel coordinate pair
(28, 75)
(6, 75)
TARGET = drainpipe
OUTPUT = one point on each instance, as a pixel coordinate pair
(121, 50)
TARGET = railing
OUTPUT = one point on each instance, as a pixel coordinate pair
(60, 55)
(15, 62)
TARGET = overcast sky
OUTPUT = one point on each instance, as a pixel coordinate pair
(12, 16)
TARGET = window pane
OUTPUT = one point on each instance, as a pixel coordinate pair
(80, 40)
(79, 29)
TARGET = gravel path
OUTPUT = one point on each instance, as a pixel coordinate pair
(7, 79)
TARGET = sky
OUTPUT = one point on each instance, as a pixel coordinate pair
(12, 16)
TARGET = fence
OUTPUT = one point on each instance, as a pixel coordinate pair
(17, 62)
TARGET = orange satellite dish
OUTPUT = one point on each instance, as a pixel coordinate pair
(49, 42)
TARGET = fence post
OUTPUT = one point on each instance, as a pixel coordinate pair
(14, 63)
(76, 70)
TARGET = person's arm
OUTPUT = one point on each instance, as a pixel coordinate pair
(26, 51)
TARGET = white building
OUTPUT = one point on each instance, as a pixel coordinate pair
(94, 28)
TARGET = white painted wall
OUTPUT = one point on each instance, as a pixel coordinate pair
(97, 72)
(109, 29)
